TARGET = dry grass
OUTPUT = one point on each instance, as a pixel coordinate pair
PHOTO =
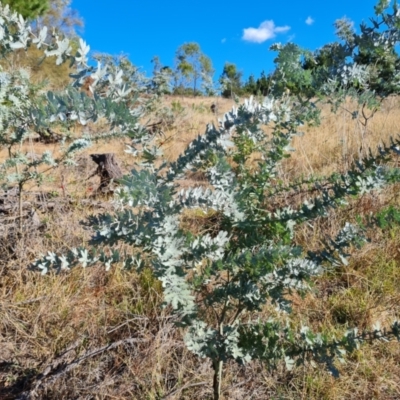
(91, 334)
(192, 115)
(40, 67)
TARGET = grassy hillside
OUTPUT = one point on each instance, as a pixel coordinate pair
(92, 334)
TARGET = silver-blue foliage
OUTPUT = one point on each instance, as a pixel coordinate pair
(216, 281)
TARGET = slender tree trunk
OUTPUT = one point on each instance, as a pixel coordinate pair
(217, 366)
(20, 188)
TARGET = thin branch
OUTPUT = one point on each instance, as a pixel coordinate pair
(184, 387)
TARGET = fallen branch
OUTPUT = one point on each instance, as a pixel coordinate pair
(56, 370)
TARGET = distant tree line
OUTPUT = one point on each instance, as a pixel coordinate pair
(297, 70)
(192, 76)
(232, 84)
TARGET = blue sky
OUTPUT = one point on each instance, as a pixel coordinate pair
(239, 32)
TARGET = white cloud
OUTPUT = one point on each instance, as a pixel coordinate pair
(309, 21)
(266, 30)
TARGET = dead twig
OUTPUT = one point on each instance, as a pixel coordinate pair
(184, 387)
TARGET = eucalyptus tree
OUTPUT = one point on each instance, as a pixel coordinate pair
(61, 16)
(230, 80)
(192, 64)
(371, 54)
(164, 71)
(218, 280)
(363, 65)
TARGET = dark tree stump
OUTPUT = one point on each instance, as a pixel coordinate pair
(48, 136)
(107, 168)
